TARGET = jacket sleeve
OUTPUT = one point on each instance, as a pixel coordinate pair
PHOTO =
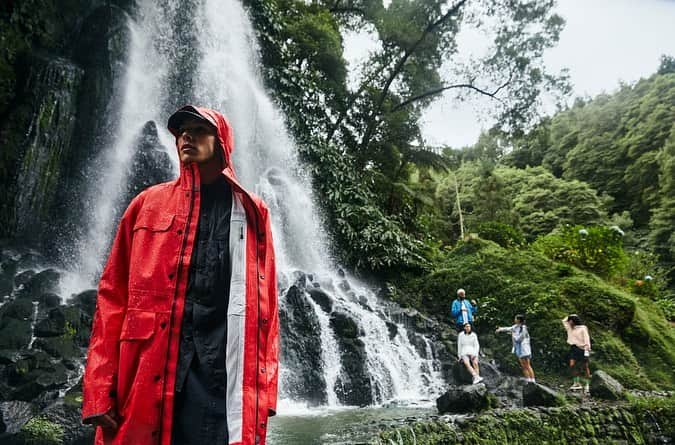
(456, 309)
(272, 355)
(100, 374)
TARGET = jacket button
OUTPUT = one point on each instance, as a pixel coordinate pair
(264, 321)
(262, 277)
(162, 324)
(180, 232)
(157, 377)
(262, 370)
(170, 276)
(263, 425)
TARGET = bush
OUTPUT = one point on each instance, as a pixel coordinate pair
(597, 249)
(502, 234)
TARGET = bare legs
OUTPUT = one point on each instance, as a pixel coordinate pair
(472, 365)
(528, 372)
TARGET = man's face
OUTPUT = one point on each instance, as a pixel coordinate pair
(196, 142)
(460, 295)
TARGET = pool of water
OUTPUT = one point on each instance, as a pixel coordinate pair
(297, 425)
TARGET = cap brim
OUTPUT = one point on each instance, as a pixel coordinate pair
(177, 119)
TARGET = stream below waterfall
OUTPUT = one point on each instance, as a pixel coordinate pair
(341, 426)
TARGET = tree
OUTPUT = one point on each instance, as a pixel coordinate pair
(662, 224)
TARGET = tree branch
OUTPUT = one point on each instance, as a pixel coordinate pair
(431, 27)
(433, 92)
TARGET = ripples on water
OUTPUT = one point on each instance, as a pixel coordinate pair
(301, 425)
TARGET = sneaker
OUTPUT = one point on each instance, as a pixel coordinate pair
(477, 379)
(587, 388)
(576, 387)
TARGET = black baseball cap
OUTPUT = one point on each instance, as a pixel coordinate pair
(177, 119)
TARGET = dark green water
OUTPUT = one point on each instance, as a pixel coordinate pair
(338, 426)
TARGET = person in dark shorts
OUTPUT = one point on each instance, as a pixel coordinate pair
(580, 350)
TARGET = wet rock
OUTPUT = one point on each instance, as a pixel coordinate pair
(353, 386)
(14, 334)
(299, 279)
(535, 394)
(150, 163)
(52, 326)
(33, 374)
(86, 301)
(301, 348)
(46, 113)
(61, 347)
(393, 329)
(604, 386)
(23, 278)
(8, 356)
(344, 326)
(50, 300)
(14, 414)
(321, 298)
(41, 283)
(344, 286)
(464, 399)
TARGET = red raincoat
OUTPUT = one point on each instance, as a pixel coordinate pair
(133, 352)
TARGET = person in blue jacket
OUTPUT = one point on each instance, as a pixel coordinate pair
(463, 311)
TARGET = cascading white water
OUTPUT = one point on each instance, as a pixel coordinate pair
(226, 79)
(142, 90)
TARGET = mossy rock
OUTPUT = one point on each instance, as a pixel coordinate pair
(41, 431)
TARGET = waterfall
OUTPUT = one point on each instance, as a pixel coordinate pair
(223, 60)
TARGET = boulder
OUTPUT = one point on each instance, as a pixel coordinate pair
(14, 334)
(301, 348)
(604, 386)
(52, 326)
(464, 399)
(41, 283)
(86, 301)
(14, 414)
(322, 299)
(344, 326)
(535, 394)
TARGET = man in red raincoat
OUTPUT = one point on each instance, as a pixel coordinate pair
(184, 344)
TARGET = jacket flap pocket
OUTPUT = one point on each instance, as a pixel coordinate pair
(154, 221)
(138, 325)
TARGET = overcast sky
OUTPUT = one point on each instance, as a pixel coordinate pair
(604, 42)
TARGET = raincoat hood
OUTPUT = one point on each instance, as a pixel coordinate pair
(223, 129)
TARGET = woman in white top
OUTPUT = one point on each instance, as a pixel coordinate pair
(467, 351)
(520, 337)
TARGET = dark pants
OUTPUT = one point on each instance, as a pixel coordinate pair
(199, 415)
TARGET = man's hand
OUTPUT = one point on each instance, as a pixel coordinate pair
(473, 303)
(109, 420)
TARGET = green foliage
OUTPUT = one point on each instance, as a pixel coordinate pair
(631, 339)
(502, 234)
(41, 431)
(532, 200)
(594, 248)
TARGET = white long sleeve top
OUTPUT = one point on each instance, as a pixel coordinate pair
(467, 344)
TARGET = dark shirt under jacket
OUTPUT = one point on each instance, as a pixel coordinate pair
(199, 413)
